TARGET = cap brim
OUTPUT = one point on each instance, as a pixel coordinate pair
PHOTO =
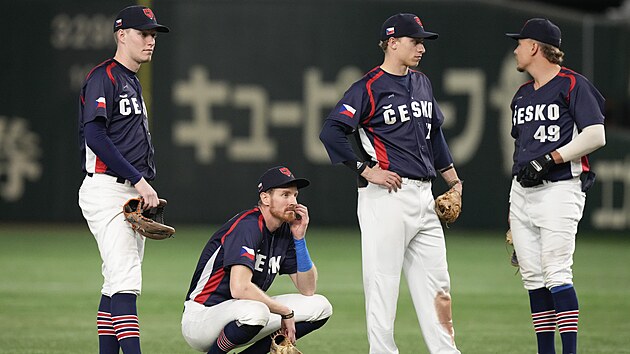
(302, 182)
(515, 35)
(298, 182)
(157, 27)
(425, 35)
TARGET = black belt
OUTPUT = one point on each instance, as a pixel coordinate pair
(421, 179)
(118, 179)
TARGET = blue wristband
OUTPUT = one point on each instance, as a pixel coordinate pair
(303, 258)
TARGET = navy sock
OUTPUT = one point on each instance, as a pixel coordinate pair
(232, 336)
(304, 328)
(107, 341)
(544, 319)
(125, 319)
(566, 304)
(301, 329)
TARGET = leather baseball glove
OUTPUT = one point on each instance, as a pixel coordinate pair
(448, 206)
(149, 223)
(510, 245)
(282, 345)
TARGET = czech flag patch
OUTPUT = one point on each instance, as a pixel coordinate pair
(100, 102)
(247, 252)
(347, 110)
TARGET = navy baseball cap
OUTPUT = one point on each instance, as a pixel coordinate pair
(138, 17)
(279, 176)
(405, 25)
(540, 29)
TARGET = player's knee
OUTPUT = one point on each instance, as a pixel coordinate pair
(324, 306)
(254, 313)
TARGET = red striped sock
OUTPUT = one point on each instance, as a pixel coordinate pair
(126, 326)
(223, 343)
(568, 321)
(104, 324)
(544, 321)
(107, 341)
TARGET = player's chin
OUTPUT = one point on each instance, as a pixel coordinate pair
(413, 63)
(146, 57)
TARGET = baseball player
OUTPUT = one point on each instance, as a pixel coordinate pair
(226, 306)
(117, 158)
(397, 123)
(557, 120)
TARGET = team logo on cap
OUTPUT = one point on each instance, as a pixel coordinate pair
(118, 22)
(285, 171)
(389, 31)
(148, 13)
(418, 21)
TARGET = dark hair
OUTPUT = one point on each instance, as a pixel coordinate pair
(383, 45)
(551, 53)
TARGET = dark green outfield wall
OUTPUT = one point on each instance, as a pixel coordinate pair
(240, 86)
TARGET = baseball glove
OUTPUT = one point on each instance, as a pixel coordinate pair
(510, 245)
(282, 345)
(149, 223)
(448, 206)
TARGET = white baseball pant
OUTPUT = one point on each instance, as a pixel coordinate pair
(401, 231)
(544, 221)
(101, 199)
(202, 325)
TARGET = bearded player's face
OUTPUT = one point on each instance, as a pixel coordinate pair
(282, 202)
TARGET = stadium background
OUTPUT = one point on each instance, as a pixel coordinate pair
(240, 86)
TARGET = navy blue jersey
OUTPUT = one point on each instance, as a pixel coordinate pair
(243, 240)
(545, 119)
(113, 92)
(398, 123)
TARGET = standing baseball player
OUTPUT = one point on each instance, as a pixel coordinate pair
(557, 120)
(226, 306)
(117, 158)
(397, 123)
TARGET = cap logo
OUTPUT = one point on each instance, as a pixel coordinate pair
(389, 31)
(285, 171)
(418, 21)
(118, 22)
(149, 13)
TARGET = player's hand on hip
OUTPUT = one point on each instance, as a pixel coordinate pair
(148, 194)
(300, 224)
(391, 180)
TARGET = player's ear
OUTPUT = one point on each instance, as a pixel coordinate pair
(535, 47)
(265, 197)
(121, 34)
(393, 42)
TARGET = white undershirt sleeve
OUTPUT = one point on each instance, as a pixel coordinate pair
(590, 139)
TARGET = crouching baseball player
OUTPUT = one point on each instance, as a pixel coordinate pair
(226, 306)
